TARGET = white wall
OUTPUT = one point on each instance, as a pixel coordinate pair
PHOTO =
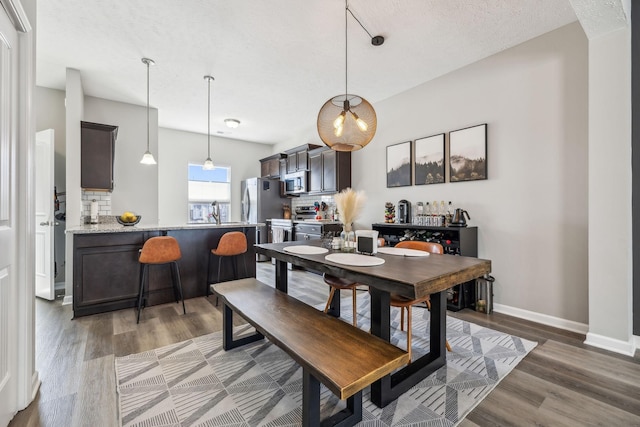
(135, 186)
(179, 148)
(50, 114)
(74, 115)
(610, 252)
(532, 211)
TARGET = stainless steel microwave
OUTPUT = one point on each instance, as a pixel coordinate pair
(296, 183)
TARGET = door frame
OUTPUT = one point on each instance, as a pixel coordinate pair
(27, 380)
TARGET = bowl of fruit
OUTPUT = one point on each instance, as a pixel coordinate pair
(129, 218)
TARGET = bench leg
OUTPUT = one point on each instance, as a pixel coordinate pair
(348, 417)
(228, 343)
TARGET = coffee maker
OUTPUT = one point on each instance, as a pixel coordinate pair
(404, 212)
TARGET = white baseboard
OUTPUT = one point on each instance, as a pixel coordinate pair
(544, 319)
(627, 348)
(68, 299)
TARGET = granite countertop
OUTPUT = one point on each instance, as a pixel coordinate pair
(111, 227)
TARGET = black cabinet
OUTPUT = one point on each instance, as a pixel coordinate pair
(298, 158)
(97, 151)
(270, 166)
(455, 240)
(106, 271)
(314, 230)
(330, 170)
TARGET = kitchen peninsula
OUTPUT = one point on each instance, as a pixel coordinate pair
(106, 272)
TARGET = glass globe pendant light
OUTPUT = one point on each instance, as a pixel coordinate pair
(208, 164)
(147, 157)
(347, 122)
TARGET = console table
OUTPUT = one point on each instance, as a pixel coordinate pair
(455, 240)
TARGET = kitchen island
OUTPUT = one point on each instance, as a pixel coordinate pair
(106, 272)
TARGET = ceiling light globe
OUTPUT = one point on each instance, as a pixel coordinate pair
(353, 135)
(232, 123)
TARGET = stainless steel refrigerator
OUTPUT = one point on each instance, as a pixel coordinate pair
(261, 200)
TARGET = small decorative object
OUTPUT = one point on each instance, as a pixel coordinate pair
(399, 165)
(350, 203)
(429, 160)
(468, 154)
(286, 211)
(389, 213)
(335, 243)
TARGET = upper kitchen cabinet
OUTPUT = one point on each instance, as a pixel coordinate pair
(97, 149)
(298, 158)
(270, 166)
(330, 170)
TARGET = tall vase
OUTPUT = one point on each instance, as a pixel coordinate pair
(347, 239)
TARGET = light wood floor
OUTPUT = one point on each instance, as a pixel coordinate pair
(561, 382)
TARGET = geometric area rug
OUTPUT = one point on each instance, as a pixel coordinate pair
(197, 383)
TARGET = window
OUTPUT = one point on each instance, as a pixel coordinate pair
(205, 187)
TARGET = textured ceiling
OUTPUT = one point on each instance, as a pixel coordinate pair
(275, 62)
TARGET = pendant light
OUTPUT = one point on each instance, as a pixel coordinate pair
(147, 158)
(208, 164)
(347, 122)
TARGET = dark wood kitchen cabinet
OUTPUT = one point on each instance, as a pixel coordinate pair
(298, 158)
(106, 272)
(330, 171)
(270, 166)
(97, 151)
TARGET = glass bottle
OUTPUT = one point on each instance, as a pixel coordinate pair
(449, 214)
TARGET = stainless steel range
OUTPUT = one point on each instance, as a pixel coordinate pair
(305, 212)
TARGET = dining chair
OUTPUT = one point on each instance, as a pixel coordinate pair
(406, 303)
(337, 283)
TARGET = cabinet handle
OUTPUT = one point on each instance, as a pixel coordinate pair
(44, 223)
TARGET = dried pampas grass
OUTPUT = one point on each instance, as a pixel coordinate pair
(350, 204)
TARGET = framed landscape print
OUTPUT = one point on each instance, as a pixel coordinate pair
(399, 164)
(429, 160)
(468, 154)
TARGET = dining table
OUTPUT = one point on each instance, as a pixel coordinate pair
(408, 276)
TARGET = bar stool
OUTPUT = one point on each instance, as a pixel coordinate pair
(231, 244)
(156, 251)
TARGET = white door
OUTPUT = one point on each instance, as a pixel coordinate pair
(8, 218)
(45, 284)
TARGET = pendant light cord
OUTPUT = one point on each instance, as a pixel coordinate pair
(208, 118)
(147, 106)
(346, 43)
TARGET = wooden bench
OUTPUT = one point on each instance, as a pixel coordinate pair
(332, 352)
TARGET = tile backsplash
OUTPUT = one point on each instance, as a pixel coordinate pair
(104, 204)
(309, 200)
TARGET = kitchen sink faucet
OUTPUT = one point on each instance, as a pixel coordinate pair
(216, 212)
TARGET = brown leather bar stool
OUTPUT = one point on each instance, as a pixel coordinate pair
(156, 251)
(406, 303)
(231, 244)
